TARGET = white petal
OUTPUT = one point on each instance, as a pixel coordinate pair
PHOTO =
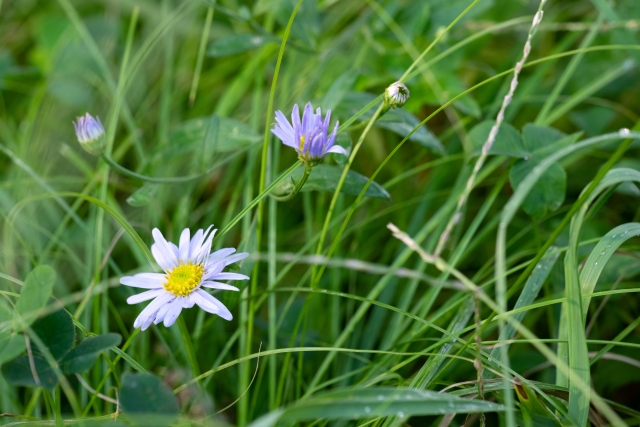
(210, 304)
(161, 313)
(173, 313)
(230, 276)
(216, 285)
(185, 240)
(144, 280)
(205, 248)
(187, 302)
(337, 150)
(213, 270)
(150, 310)
(144, 296)
(165, 248)
(220, 254)
(165, 263)
(196, 240)
(235, 258)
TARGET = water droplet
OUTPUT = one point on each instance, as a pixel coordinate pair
(624, 131)
(367, 409)
(614, 236)
(608, 246)
(596, 263)
(400, 414)
(602, 253)
(380, 397)
(539, 266)
(526, 157)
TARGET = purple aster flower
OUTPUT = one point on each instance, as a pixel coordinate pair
(90, 132)
(309, 137)
(188, 268)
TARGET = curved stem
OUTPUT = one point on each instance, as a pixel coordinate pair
(170, 180)
(297, 188)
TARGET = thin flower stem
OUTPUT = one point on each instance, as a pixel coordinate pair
(169, 180)
(297, 188)
(255, 201)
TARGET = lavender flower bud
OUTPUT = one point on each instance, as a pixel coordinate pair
(395, 96)
(90, 133)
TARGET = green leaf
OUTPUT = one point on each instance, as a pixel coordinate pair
(398, 121)
(402, 122)
(147, 400)
(507, 142)
(18, 372)
(343, 139)
(338, 89)
(376, 402)
(57, 332)
(6, 315)
(10, 347)
(82, 358)
(530, 400)
(143, 195)
(34, 294)
(536, 137)
(218, 134)
(238, 43)
(547, 194)
(325, 178)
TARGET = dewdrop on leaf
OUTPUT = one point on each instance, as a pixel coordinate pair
(395, 96)
(90, 133)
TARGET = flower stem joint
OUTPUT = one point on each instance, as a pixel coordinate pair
(309, 137)
(90, 133)
(395, 96)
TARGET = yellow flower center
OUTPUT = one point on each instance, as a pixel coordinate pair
(183, 279)
(301, 142)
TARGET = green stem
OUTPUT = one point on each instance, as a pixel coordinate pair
(170, 180)
(191, 354)
(297, 188)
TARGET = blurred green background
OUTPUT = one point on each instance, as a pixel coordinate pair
(193, 98)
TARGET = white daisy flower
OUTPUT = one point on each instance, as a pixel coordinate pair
(188, 268)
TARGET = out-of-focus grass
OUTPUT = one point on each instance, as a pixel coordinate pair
(377, 315)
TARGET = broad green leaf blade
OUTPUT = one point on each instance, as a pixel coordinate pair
(325, 178)
(147, 400)
(547, 194)
(377, 402)
(579, 367)
(18, 372)
(536, 137)
(6, 316)
(600, 255)
(507, 142)
(143, 195)
(398, 121)
(218, 134)
(10, 347)
(238, 43)
(338, 89)
(612, 178)
(34, 294)
(527, 296)
(402, 122)
(57, 332)
(82, 358)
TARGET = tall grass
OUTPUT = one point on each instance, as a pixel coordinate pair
(470, 261)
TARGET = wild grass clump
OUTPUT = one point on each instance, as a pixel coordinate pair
(319, 212)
